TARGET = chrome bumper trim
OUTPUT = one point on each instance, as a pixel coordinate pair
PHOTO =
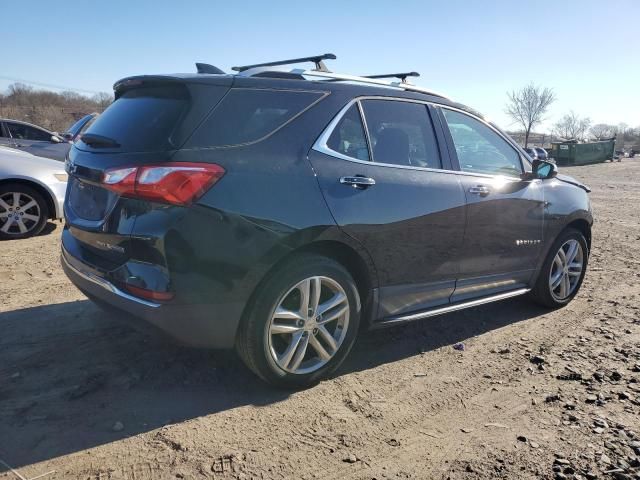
(101, 282)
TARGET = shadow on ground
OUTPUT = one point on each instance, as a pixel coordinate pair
(69, 372)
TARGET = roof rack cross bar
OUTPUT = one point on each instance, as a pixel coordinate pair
(317, 59)
(401, 76)
(373, 81)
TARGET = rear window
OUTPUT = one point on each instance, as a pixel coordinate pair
(141, 120)
(249, 115)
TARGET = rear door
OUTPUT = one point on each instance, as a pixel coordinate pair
(503, 237)
(380, 170)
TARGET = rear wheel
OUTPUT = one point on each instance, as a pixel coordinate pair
(23, 212)
(302, 323)
(563, 270)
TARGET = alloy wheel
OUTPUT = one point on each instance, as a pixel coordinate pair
(19, 213)
(308, 326)
(566, 270)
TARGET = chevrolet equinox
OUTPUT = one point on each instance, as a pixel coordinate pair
(281, 211)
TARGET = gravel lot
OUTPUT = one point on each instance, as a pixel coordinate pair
(534, 394)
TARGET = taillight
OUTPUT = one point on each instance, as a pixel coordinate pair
(177, 183)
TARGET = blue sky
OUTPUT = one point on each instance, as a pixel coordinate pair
(474, 51)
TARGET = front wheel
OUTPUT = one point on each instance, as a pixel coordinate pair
(302, 322)
(563, 270)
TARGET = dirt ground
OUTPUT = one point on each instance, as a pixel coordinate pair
(534, 394)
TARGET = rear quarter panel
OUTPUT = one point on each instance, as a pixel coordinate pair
(267, 205)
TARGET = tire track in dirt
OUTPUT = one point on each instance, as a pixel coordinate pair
(413, 444)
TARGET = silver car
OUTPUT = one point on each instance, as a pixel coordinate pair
(32, 191)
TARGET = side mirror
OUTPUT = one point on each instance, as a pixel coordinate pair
(56, 139)
(543, 169)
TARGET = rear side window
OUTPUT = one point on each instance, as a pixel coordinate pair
(348, 138)
(140, 120)
(401, 133)
(249, 115)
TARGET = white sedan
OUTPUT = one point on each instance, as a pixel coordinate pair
(32, 191)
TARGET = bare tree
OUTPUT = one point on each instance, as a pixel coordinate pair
(55, 111)
(103, 99)
(600, 131)
(572, 127)
(528, 106)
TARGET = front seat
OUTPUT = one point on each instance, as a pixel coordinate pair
(392, 147)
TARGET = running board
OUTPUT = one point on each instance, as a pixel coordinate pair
(450, 308)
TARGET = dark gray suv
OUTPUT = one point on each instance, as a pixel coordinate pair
(282, 211)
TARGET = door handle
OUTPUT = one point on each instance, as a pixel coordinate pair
(358, 181)
(480, 190)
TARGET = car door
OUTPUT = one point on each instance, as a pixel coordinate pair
(37, 141)
(380, 169)
(505, 213)
(26, 137)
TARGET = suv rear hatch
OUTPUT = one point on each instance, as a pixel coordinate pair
(115, 166)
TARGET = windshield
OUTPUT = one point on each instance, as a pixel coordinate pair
(75, 128)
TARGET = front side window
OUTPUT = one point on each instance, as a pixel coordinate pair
(348, 138)
(479, 148)
(25, 132)
(401, 133)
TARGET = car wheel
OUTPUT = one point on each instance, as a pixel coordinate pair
(23, 212)
(302, 322)
(563, 270)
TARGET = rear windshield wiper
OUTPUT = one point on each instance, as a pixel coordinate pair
(99, 141)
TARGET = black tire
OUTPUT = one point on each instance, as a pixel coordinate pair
(253, 338)
(34, 227)
(542, 292)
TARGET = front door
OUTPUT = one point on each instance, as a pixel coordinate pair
(385, 187)
(505, 214)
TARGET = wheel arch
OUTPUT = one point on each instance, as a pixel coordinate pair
(349, 258)
(583, 226)
(358, 264)
(38, 187)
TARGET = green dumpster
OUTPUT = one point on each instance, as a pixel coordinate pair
(573, 153)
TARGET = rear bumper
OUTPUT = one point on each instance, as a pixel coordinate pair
(203, 326)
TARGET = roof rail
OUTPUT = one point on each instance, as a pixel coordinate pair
(401, 76)
(368, 80)
(317, 59)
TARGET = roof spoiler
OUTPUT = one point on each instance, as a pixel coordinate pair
(207, 68)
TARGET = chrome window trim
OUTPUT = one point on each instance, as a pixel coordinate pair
(320, 144)
(365, 127)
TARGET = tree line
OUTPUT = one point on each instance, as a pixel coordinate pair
(528, 107)
(51, 110)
